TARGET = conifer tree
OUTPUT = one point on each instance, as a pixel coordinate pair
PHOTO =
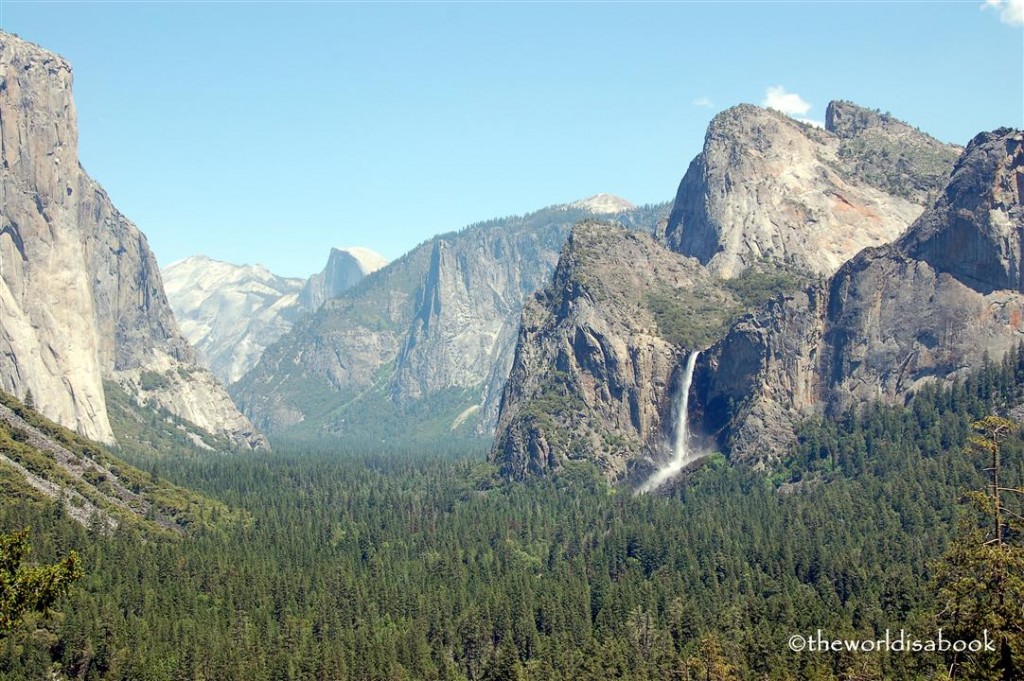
(981, 578)
(26, 589)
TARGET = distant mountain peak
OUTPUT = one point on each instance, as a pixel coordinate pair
(231, 313)
(367, 260)
(603, 204)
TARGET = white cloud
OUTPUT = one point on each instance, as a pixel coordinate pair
(811, 121)
(703, 102)
(1010, 11)
(787, 102)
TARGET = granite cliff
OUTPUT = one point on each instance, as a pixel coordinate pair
(599, 354)
(81, 298)
(929, 307)
(345, 268)
(767, 209)
(768, 187)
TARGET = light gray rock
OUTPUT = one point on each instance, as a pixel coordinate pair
(81, 297)
(230, 313)
(603, 204)
(345, 268)
(49, 344)
(766, 186)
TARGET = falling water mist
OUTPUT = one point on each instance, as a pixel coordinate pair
(681, 455)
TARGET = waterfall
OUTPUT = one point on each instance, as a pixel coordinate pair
(680, 454)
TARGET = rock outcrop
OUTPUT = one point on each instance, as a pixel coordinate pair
(81, 298)
(928, 307)
(345, 268)
(769, 187)
(599, 355)
(603, 204)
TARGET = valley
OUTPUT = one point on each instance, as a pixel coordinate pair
(595, 440)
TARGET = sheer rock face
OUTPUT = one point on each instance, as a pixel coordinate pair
(593, 375)
(974, 230)
(925, 308)
(51, 350)
(81, 297)
(427, 340)
(345, 268)
(595, 363)
(466, 312)
(768, 187)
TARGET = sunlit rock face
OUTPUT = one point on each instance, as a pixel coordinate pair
(81, 298)
(768, 187)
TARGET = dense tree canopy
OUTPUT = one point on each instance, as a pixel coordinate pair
(361, 565)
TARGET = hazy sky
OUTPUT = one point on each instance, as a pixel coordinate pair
(268, 132)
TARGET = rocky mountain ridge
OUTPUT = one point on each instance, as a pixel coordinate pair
(44, 463)
(423, 347)
(443, 325)
(928, 306)
(766, 186)
(81, 298)
(231, 313)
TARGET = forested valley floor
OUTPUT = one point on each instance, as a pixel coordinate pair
(424, 565)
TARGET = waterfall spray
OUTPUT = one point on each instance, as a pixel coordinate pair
(681, 456)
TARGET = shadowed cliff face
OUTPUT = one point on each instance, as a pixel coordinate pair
(768, 187)
(974, 230)
(593, 375)
(927, 307)
(80, 294)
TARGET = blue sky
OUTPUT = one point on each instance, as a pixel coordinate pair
(269, 132)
